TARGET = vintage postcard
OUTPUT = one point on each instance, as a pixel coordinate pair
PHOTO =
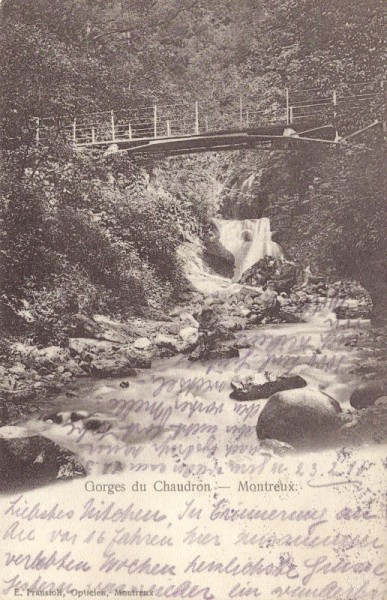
(193, 389)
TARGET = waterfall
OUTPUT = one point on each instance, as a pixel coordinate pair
(248, 240)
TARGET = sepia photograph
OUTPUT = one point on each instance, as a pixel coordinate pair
(193, 299)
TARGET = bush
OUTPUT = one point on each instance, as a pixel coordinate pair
(51, 309)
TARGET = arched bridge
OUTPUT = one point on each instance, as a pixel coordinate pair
(298, 116)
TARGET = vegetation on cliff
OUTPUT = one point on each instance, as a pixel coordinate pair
(87, 235)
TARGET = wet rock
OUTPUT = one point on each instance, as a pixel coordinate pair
(172, 328)
(89, 421)
(49, 357)
(140, 359)
(366, 394)
(187, 318)
(365, 426)
(348, 420)
(220, 350)
(190, 335)
(230, 325)
(352, 310)
(111, 330)
(64, 417)
(255, 319)
(44, 371)
(220, 259)
(74, 368)
(259, 385)
(102, 358)
(283, 300)
(167, 341)
(56, 418)
(118, 366)
(81, 347)
(242, 344)
(301, 297)
(98, 423)
(301, 417)
(164, 352)
(142, 343)
(288, 316)
(28, 461)
(281, 274)
(316, 279)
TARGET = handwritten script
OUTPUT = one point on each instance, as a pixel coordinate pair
(180, 499)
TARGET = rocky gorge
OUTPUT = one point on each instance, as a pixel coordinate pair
(279, 334)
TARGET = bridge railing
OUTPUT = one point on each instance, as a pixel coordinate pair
(342, 106)
(190, 118)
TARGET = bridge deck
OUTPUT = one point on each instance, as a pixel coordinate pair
(265, 136)
(228, 124)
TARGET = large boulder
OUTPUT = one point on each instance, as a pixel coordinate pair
(289, 316)
(188, 319)
(190, 335)
(85, 347)
(229, 325)
(353, 309)
(100, 328)
(142, 343)
(219, 350)
(140, 359)
(65, 417)
(220, 259)
(103, 358)
(259, 385)
(282, 274)
(114, 366)
(28, 461)
(167, 341)
(366, 394)
(50, 357)
(301, 417)
(91, 422)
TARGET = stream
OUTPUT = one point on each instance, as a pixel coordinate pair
(177, 417)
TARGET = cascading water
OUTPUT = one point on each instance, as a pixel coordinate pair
(248, 240)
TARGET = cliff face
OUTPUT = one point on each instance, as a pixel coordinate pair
(218, 257)
(326, 207)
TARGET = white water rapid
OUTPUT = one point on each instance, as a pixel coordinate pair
(248, 240)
